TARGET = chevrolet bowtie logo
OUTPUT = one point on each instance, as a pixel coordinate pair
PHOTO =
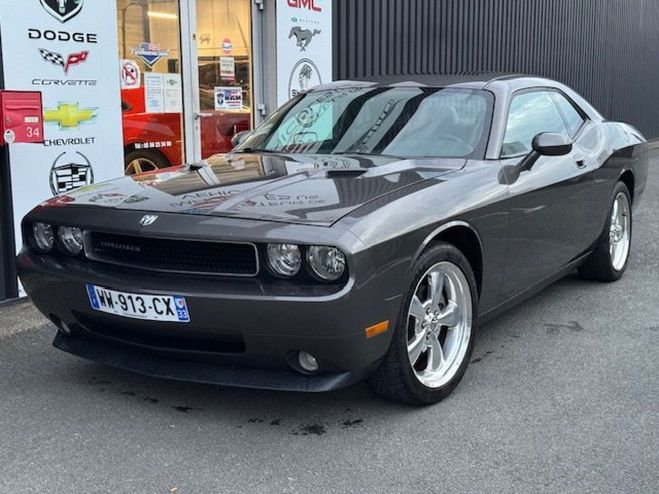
(69, 115)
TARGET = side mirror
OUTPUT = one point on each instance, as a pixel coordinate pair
(550, 144)
(239, 138)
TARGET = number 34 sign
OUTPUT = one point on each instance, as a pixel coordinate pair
(21, 117)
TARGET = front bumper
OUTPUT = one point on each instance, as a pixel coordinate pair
(243, 332)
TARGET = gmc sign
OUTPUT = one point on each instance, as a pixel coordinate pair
(305, 4)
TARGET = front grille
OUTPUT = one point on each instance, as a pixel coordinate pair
(173, 256)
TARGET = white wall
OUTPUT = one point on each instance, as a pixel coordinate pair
(92, 83)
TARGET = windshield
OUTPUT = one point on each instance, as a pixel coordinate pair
(411, 122)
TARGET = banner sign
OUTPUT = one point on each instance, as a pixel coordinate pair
(304, 46)
(63, 50)
(228, 98)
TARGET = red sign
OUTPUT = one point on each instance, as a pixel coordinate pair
(227, 46)
(21, 117)
(305, 4)
(130, 75)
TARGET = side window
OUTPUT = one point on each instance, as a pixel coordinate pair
(530, 114)
(573, 119)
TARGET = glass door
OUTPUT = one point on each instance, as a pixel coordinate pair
(151, 84)
(224, 73)
(186, 79)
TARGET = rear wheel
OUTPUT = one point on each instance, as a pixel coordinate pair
(434, 336)
(608, 261)
(142, 161)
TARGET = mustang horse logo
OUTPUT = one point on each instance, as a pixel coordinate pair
(304, 36)
(62, 10)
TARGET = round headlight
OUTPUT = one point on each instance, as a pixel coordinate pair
(43, 236)
(284, 259)
(71, 239)
(328, 263)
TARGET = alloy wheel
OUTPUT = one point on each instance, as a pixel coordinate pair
(140, 165)
(439, 324)
(620, 231)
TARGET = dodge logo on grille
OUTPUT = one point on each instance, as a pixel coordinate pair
(148, 219)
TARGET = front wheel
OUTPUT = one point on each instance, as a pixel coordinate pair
(608, 261)
(434, 337)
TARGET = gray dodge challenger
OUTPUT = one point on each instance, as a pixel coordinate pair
(363, 231)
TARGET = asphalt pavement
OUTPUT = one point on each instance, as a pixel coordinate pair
(562, 396)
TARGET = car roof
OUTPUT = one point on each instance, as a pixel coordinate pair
(474, 80)
(502, 86)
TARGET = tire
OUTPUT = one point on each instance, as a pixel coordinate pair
(398, 378)
(608, 261)
(142, 161)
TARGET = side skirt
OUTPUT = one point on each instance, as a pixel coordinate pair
(533, 290)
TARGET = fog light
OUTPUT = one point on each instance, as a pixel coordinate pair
(307, 361)
(71, 238)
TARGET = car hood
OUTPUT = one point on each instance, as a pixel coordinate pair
(315, 189)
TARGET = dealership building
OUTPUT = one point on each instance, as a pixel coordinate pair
(129, 86)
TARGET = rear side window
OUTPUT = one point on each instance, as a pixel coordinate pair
(530, 114)
(573, 118)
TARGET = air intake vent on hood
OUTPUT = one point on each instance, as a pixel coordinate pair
(345, 173)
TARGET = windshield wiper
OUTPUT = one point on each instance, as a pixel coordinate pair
(362, 153)
(253, 150)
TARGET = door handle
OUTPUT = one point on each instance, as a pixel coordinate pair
(199, 115)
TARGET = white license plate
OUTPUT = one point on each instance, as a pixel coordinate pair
(170, 308)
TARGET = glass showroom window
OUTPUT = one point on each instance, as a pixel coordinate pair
(224, 48)
(151, 86)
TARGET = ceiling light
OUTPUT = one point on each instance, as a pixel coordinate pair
(162, 15)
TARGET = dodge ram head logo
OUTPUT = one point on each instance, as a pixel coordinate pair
(62, 10)
(148, 219)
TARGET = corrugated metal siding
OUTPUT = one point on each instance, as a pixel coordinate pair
(608, 50)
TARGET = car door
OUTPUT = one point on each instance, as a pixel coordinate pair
(590, 146)
(547, 202)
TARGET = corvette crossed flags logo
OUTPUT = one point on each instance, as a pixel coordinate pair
(65, 63)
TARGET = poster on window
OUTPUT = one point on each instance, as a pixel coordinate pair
(154, 92)
(228, 98)
(173, 93)
(64, 50)
(228, 69)
(304, 46)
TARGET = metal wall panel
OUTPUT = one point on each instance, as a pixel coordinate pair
(605, 49)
